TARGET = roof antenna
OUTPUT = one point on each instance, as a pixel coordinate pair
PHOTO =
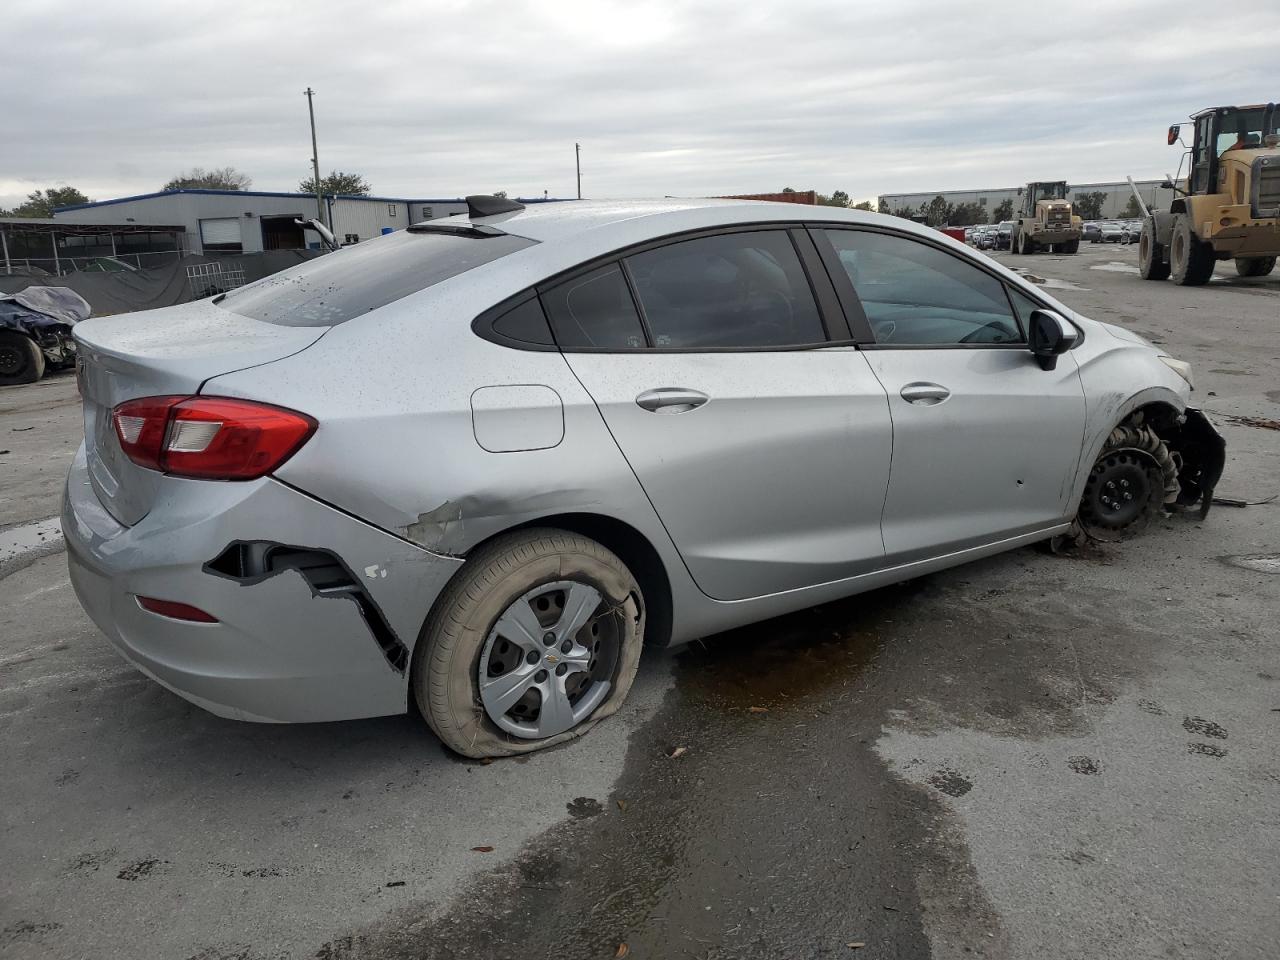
(483, 205)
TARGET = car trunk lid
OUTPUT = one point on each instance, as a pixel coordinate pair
(172, 350)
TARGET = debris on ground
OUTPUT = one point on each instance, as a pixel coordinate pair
(678, 751)
(1262, 423)
(482, 849)
(758, 709)
(855, 944)
(621, 952)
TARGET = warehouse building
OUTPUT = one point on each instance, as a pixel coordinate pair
(250, 221)
(1116, 193)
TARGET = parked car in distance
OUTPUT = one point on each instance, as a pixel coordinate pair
(1132, 231)
(1092, 232)
(1112, 231)
(478, 464)
(1004, 234)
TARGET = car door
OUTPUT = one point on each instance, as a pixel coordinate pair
(764, 449)
(986, 444)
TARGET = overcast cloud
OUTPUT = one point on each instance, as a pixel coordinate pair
(440, 99)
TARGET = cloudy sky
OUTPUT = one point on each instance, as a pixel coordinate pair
(448, 97)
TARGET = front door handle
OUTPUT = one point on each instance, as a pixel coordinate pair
(925, 394)
(671, 400)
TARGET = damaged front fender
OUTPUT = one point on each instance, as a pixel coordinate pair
(1203, 454)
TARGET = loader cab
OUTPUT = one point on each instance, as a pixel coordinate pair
(1220, 129)
(1047, 190)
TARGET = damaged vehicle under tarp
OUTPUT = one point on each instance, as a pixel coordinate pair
(35, 332)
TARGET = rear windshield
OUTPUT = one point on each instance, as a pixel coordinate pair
(333, 288)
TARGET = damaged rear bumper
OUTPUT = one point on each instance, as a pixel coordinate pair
(293, 641)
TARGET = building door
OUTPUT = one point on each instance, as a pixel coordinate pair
(282, 233)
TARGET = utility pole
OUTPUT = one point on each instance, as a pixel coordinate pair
(315, 158)
(577, 162)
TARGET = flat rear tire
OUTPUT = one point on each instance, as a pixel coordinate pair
(535, 641)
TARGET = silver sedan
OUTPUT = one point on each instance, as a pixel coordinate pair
(478, 464)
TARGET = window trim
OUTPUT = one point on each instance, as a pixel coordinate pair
(841, 311)
(853, 304)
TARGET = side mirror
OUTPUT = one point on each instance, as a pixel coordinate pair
(1049, 337)
(1173, 133)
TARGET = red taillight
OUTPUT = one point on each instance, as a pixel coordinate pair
(209, 438)
(175, 610)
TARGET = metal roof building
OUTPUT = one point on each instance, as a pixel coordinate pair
(250, 221)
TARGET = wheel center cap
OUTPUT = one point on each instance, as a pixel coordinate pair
(552, 658)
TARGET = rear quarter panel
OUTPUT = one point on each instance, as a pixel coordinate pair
(394, 393)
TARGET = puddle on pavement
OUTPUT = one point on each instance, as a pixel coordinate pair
(791, 659)
(1049, 283)
(777, 833)
(1259, 563)
(1115, 266)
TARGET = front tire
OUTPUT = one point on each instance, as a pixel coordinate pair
(1071, 246)
(1151, 255)
(535, 641)
(21, 359)
(1255, 266)
(1190, 260)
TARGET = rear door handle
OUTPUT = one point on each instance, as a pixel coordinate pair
(925, 394)
(671, 400)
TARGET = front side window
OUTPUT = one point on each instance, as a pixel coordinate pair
(745, 289)
(594, 311)
(915, 294)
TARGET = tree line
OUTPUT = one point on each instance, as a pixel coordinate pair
(40, 204)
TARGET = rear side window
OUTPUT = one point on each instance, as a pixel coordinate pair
(333, 288)
(744, 289)
(594, 311)
(917, 295)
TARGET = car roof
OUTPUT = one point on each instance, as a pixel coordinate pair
(615, 223)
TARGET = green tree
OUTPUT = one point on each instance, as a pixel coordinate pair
(837, 199)
(937, 211)
(219, 178)
(500, 193)
(1002, 212)
(40, 204)
(338, 183)
(905, 212)
(788, 190)
(863, 205)
(967, 214)
(882, 205)
(1089, 205)
(1131, 211)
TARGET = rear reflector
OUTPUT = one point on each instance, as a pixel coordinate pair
(175, 610)
(209, 438)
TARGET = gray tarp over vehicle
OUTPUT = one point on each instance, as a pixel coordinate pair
(35, 331)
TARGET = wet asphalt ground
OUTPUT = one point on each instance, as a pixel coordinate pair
(1030, 756)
